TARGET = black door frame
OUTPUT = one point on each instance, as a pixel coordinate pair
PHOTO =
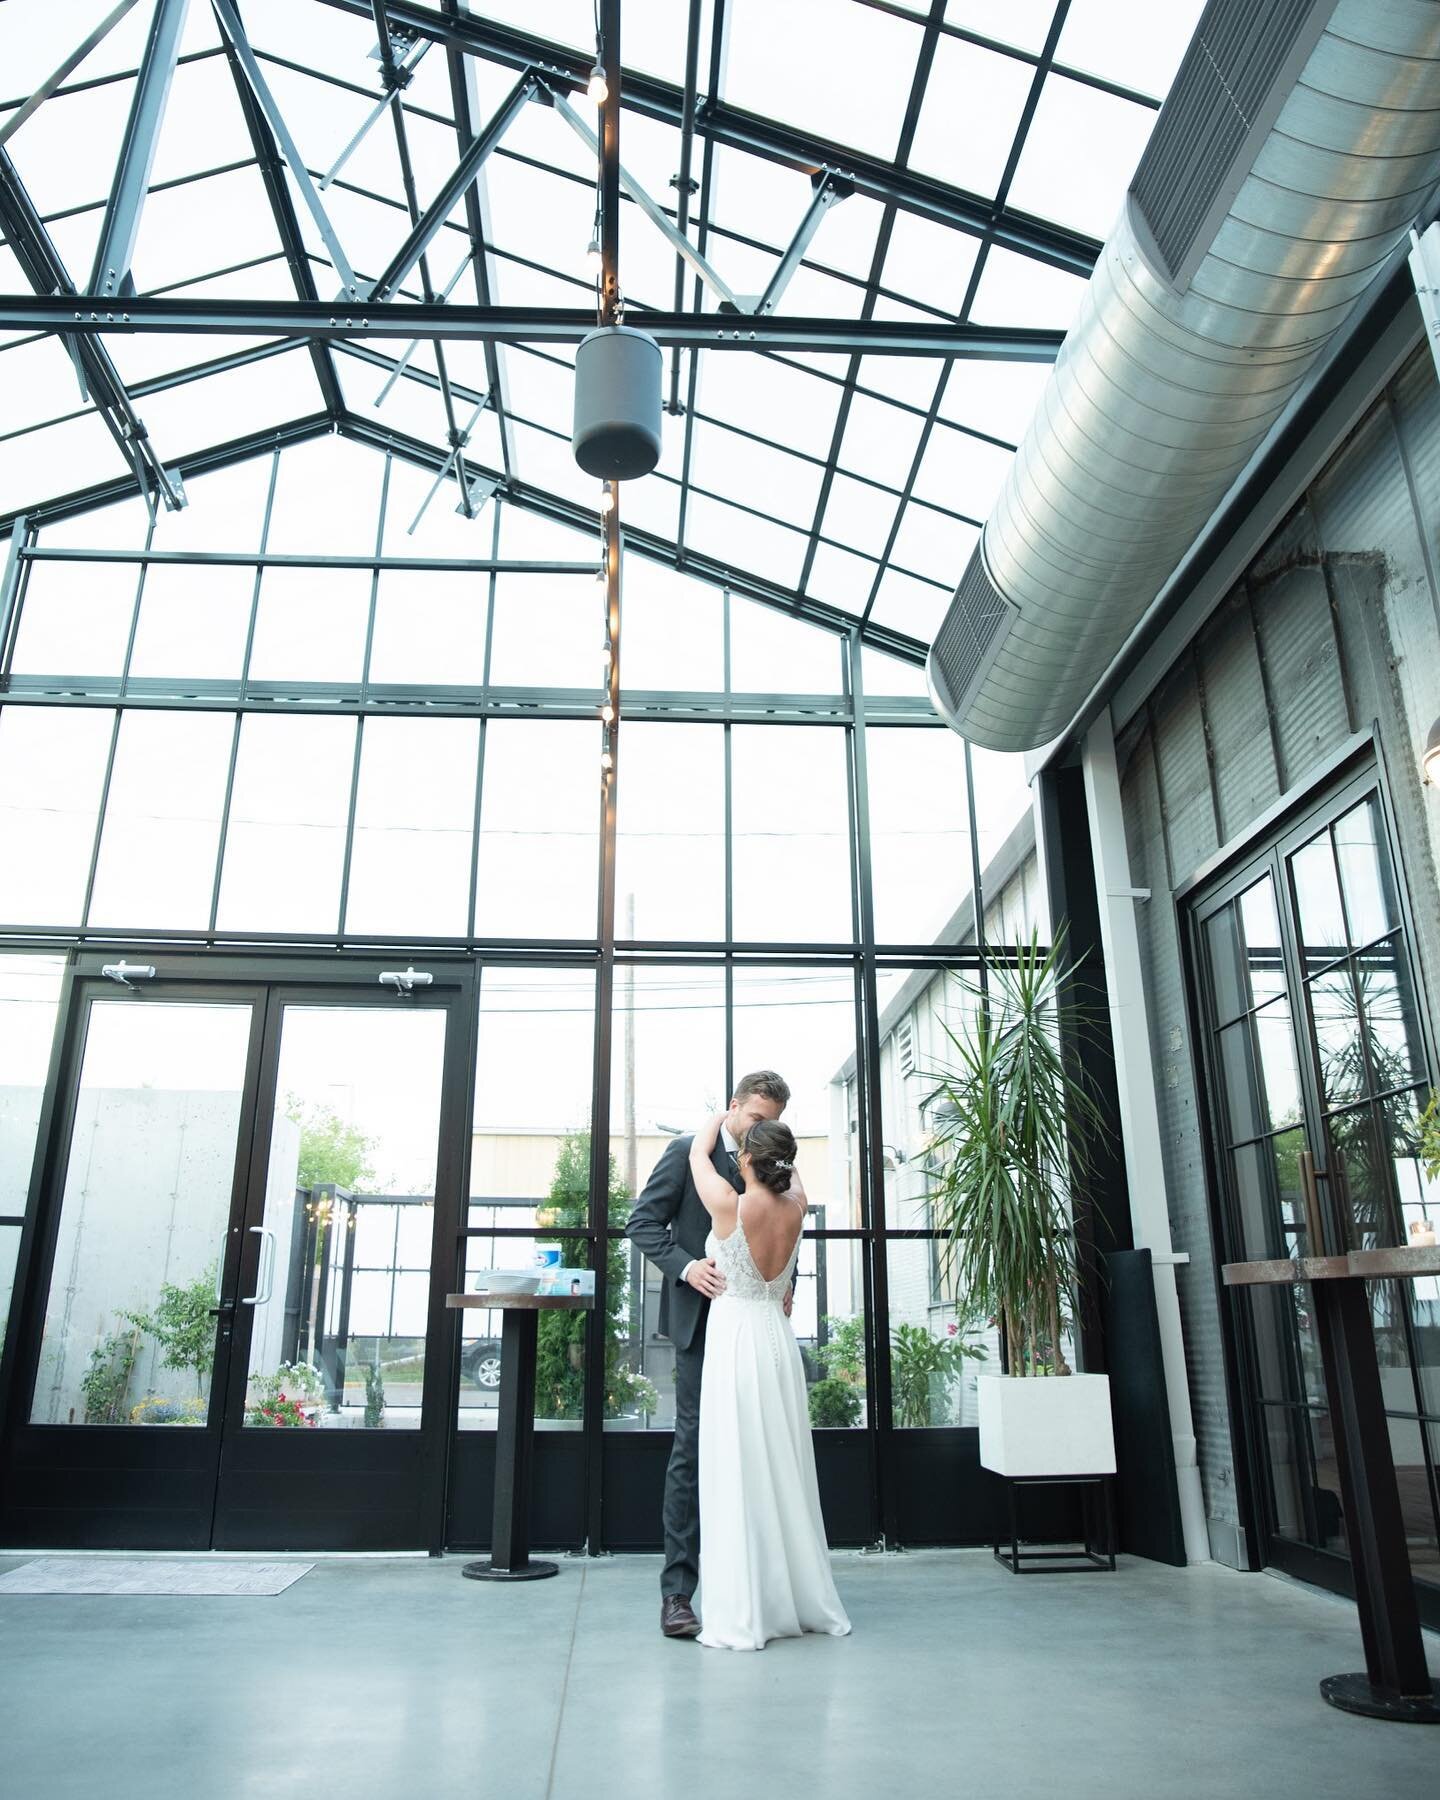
(1355, 772)
(43, 1463)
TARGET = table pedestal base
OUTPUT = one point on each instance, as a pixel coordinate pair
(532, 1571)
(1358, 1694)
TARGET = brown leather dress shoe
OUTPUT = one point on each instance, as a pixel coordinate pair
(677, 1617)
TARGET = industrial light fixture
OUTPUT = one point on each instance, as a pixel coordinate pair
(1430, 759)
(598, 88)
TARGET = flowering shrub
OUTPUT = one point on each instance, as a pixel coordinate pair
(282, 1410)
(159, 1409)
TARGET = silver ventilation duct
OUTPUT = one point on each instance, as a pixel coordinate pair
(1298, 145)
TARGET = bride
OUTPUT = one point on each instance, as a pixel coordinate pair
(764, 1562)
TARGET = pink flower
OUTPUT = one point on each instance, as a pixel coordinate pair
(951, 1329)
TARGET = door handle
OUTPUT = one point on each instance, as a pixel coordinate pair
(266, 1274)
(1310, 1177)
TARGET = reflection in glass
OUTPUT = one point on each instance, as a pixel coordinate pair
(1366, 873)
(128, 1336)
(1329, 1533)
(1287, 1349)
(1275, 1044)
(1264, 960)
(1240, 1080)
(1363, 1144)
(338, 1335)
(1317, 899)
(1392, 1027)
(1228, 994)
(1287, 1464)
(1267, 1187)
(939, 1343)
(9, 1253)
(828, 1319)
(1338, 1045)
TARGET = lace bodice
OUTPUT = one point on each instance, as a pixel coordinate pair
(743, 1280)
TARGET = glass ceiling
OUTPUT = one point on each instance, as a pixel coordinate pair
(996, 140)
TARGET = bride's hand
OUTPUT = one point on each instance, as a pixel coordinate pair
(707, 1133)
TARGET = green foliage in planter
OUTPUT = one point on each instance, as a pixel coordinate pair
(843, 1352)
(1018, 1127)
(560, 1358)
(160, 1409)
(106, 1382)
(181, 1324)
(916, 1358)
(835, 1402)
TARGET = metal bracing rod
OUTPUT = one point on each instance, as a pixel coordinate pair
(455, 460)
(406, 68)
(111, 271)
(682, 181)
(43, 269)
(87, 314)
(828, 189)
(73, 61)
(414, 344)
(682, 245)
(609, 174)
(235, 32)
(445, 202)
(240, 559)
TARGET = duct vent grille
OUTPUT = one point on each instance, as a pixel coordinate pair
(971, 632)
(1236, 75)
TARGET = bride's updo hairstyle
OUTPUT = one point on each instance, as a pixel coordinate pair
(771, 1149)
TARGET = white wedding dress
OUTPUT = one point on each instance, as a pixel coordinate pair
(764, 1562)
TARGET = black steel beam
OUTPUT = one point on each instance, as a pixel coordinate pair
(282, 207)
(721, 123)
(326, 321)
(41, 265)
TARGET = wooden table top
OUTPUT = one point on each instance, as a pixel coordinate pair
(1402, 1261)
(524, 1302)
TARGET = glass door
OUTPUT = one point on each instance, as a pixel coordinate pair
(121, 1444)
(238, 1332)
(1318, 1067)
(334, 1408)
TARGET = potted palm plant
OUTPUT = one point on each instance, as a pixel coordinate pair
(1015, 1128)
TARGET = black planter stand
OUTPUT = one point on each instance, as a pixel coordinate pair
(509, 1558)
(1098, 1550)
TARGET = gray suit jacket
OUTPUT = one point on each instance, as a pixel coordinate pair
(670, 1224)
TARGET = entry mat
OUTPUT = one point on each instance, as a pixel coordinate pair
(145, 1575)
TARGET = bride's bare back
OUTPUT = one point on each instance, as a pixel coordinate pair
(773, 1223)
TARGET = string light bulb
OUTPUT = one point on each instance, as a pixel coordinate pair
(598, 88)
(607, 501)
(607, 713)
(607, 761)
(592, 249)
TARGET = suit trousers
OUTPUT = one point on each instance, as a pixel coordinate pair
(681, 1513)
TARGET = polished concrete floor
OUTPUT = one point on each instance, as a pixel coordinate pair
(373, 1679)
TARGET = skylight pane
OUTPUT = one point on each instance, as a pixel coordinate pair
(859, 515)
(1025, 23)
(1020, 292)
(65, 152)
(1132, 42)
(914, 607)
(961, 472)
(224, 511)
(41, 35)
(77, 453)
(997, 398)
(751, 474)
(232, 404)
(857, 69)
(442, 531)
(39, 383)
(973, 101)
(538, 389)
(928, 262)
(880, 440)
(1085, 192)
(203, 226)
(327, 500)
(772, 552)
(769, 397)
(932, 544)
(840, 578)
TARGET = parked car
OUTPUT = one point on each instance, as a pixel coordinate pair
(480, 1364)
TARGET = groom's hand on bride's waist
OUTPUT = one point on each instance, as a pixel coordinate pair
(704, 1277)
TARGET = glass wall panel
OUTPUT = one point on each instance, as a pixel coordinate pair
(29, 1002)
(939, 1343)
(801, 1023)
(560, 1335)
(310, 625)
(9, 1253)
(414, 827)
(919, 835)
(549, 631)
(533, 1079)
(672, 631)
(670, 851)
(791, 811)
(539, 830)
(327, 500)
(194, 621)
(75, 619)
(52, 771)
(430, 628)
(285, 840)
(770, 654)
(162, 820)
(128, 1335)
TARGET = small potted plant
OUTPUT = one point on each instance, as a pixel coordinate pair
(1015, 1127)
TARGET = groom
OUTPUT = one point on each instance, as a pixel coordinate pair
(670, 1224)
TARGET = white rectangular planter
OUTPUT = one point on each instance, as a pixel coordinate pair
(1046, 1424)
